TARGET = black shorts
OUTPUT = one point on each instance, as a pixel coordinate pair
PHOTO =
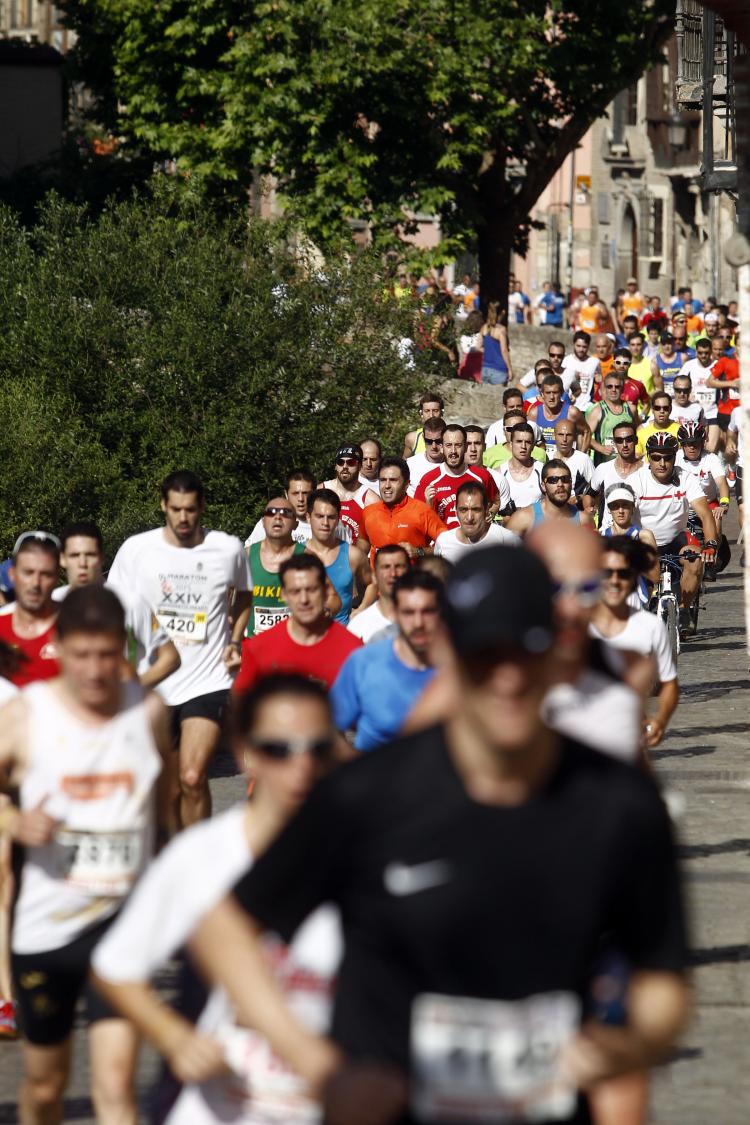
(723, 421)
(48, 986)
(738, 484)
(212, 707)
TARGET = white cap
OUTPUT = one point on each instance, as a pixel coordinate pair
(619, 492)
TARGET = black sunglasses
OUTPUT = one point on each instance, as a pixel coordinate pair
(558, 480)
(433, 441)
(628, 438)
(320, 748)
(623, 572)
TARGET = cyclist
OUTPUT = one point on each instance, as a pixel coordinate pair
(422, 925)
(665, 495)
(282, 738)
(661, 405)
(694, 457)
(617, 622)
(85, 751)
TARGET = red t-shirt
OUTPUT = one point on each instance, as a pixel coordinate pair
(40, 653)
(446, 485)
(728, 370)
(275, 651)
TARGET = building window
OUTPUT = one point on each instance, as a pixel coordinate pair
(657, 235)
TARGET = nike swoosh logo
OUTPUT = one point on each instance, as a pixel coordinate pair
(402, 879)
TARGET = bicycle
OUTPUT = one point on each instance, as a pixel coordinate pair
(665, 600)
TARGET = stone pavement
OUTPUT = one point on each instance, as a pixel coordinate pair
(703, 762)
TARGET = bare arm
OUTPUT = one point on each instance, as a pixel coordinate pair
(410, 441)
(520, 521)
(167, 661)
(656, 724)
(362, 572)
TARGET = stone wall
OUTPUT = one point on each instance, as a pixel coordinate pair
(472, 402)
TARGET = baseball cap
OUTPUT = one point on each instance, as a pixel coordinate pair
(350, 451)
(711, 318)
(667, 338)
(617, 492)
(632, 281)
(499, 596)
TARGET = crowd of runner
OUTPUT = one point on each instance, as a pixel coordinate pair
(450, 893)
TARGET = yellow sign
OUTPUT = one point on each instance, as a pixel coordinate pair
(583, 183)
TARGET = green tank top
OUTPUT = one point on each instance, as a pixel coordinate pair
(607, 424)
(268, 605)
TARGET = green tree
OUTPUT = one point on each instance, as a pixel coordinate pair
(375, 109)
(159, 337)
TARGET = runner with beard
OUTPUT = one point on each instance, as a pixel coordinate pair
(555, 504)
(354, 495)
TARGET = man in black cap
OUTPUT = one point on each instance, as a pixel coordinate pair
(354, 495)
(475, 865)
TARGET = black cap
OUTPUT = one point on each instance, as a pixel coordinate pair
(499, 596)
(350, 451)
(667, 338)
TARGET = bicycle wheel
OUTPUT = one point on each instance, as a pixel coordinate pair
(668, 614)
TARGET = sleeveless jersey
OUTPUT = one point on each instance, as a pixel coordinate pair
(588, 318)
(547, 428)
(342, 579)
(98, 781)
(669, 368)
(643, 373)
(539, 515)
(350, 518)
(268, 605)
(606, 427)
(419, 445)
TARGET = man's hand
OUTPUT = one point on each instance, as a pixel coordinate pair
(34, 828)
(653, 731)
(598, 1052)
(194, 1057)
(368, 1093)
(429, 494)
(233, 656)
(409, 548)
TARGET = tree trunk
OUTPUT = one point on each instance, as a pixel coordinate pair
(495, 231)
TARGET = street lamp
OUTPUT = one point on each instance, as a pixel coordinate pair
(676, 131)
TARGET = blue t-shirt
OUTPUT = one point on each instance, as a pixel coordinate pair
(374, 692)
(553, 305)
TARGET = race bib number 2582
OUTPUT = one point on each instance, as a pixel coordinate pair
(491, 1060)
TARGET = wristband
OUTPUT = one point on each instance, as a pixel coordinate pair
(710, 543)
(724, 501)
(235, 644)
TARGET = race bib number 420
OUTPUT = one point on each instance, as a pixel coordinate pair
(184, 626)
(491, 1060)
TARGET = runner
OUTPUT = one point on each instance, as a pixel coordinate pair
(522, 474)
(735, 456)
(378, 685)
(583, 367)
(592, 315)
(391, 562)
(555, 504)
(307, 643)
(724, 378)
(619, 502)
(632, 302)
(552, 408)
(633, 392)
(667, 363)
(640, 367)
(438, 487)
(29, 626)
(580, 466)
(699, 372)
(84, 751)
(372, 455)
(189, 573)
(615, 621)
(353, 495)
(398, 518)
(498, 454)
(475, 526)
(604, 416)
(431, 405)
(665, 495)
(300, 483)
(685, 410)
(422, 926)
(265, 556)
(283, 742)
(422, 463)
(345, 565)
(662, 422)
(604, 345)
(149, 650)
(512, 400)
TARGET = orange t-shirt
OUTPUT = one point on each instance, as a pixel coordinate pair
(410, 521)
(632, 305)
(590, 317)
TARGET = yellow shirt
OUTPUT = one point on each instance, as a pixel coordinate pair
(645, 432)
(643, 373)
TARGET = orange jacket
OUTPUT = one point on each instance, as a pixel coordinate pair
(410, 521)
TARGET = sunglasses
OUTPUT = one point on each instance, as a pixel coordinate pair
(557, 355)
(433, 441)
(287, 513)
(682, 390)
(621, 572)
(350, 462)
(613, 386)
(586, 593)
(692, 443)
(627, 440)
(559, 480)
(38, 537)
(662, 409)
(661, 457)
(320, 748)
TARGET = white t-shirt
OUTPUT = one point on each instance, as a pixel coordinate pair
(690, 412)
(523, 492)
(140, 623)
(664, 508)
(704, 396)
(8, 691)
(372, 484)
(707, 470)
(448, 545)
(188, 588)
(735, 426)
(645, 633)
(597, 711)
(583, 372)
(419, 466)
(496, 433)
(580, 464)
(369, 622)
(605, 475)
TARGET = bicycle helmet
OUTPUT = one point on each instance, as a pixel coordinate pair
(691, 431)
(662, 442)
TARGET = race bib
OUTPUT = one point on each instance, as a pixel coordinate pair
(183, 626)
(100, 863)
(491, 1060)
(706, 396)
(275, 1092)
(266, 616)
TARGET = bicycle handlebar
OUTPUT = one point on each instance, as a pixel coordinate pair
(675, 560)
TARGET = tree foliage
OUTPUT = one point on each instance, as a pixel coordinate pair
(159, 337)
(375, 109)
